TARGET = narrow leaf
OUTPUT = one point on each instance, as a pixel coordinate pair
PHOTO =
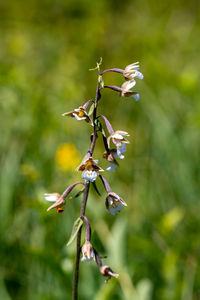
(95, 187)
(98, 123)
(91, 109)
(77, 225)
(76, 195)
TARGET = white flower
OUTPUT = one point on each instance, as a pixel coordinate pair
(121, 149)
(132, 71)
(89, 168)
(57, 198)
(118, 138)
(126, 88)
(87, 251)
(89, 176)
(114, 203)
(79, 114)
(111, 167)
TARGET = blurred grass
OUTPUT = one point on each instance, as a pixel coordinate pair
(46, 49)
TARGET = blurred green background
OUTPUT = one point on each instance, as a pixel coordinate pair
(46, 50)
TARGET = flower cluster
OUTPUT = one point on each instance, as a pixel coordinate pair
(115, 146)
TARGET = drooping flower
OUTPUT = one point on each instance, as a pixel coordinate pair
(55, 197)
(132, 71)
(110, 155)
(126, 90)
(114, 203)
(120, 141)
(90, 169)
(87, 251)
(80, 114)
(107, 271)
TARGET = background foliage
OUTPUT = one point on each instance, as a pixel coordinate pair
(46, 49)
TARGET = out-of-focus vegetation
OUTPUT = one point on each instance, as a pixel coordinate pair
(46, 49)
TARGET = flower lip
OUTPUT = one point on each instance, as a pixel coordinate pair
(111, 168)
(121, 148)
(89, 176)
(136, 96)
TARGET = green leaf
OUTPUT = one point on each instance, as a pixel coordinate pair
(101, 82)
(98, 123)
(91, 109)
(77, 194)
(77, 225)
(95, 187)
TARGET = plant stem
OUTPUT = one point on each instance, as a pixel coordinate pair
(84, 202)
(78, 248)
(113, 70)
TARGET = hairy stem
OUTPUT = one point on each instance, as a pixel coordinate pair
(84, 202)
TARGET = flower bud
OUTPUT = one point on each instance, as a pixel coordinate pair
(87, 251)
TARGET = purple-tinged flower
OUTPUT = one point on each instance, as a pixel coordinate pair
(57, 198)
(80, 114)
(114, 203)
(132, 71)
(90, 169)
(87, 251)
(107, 271)
(126, 88)
(118, 138)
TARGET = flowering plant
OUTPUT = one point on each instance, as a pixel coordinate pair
(90, 169)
